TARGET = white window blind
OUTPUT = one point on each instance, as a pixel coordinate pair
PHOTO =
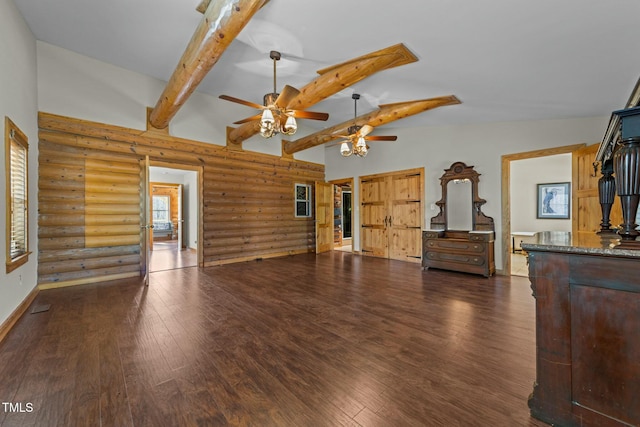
(16, 151)
(18, 200)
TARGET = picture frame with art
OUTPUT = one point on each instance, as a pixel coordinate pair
(554, 200)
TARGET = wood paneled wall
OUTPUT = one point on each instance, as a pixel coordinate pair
(90, 199)
(89, 215)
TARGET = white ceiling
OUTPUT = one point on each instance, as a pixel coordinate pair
(504, 59)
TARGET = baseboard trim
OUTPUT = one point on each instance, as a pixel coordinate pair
(254, 258)
(88, 280)
(17, 313)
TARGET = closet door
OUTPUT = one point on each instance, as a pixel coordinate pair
(392, 215)
(405, 218)
(374, 216)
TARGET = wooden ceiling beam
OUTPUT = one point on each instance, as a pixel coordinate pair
(221, 23)
(334, 79)
(384, 114)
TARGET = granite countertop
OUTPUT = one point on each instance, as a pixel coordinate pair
(584, 243)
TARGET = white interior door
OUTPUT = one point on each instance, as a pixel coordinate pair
(181, 244)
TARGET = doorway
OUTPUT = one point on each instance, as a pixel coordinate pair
(174, 207)
(513, 260)
(343, 214)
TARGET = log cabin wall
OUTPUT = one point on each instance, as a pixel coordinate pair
(89, 215)
(90, 200)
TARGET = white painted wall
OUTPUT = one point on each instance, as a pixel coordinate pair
(480, 145)
(18, 101)
(525, 175)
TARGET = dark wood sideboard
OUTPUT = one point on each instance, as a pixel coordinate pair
(587, 294)
(465, 251)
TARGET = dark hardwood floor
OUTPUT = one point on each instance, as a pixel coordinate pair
(328, 340)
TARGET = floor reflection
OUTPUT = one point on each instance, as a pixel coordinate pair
(166, 256)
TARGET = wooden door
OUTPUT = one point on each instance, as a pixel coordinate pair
(406, 216)
(586, 210)
(374, 216)
(324, 216)
(145, 228)
(392, 215)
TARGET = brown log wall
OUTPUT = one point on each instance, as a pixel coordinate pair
(90, 199)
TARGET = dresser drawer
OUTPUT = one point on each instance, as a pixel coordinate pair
(455, 245)
(480, 237)
(468, 259)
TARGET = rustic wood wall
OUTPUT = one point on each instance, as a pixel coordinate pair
(90, 200)
(89, 215)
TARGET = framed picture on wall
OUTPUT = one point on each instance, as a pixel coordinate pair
(554, 200)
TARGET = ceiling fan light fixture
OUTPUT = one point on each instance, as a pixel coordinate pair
(267, 117)
(345, 150)
(361, 143)
(290, 126)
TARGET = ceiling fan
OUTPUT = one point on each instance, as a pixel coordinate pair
(356, 140)
(276, 116)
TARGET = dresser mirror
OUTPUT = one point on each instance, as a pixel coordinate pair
(460, 206)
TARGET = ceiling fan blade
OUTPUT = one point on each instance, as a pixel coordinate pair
(380, 138)
(286, 96)
(241, 101)
(313, 115)
(248, 119)
(364, 130)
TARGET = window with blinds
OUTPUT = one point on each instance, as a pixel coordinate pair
(16, 155)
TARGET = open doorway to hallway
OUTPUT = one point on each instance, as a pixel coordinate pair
(343, 215)
(174, 215)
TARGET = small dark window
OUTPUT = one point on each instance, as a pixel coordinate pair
(303, 201)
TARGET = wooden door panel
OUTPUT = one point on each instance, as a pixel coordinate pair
(406, 215)
(374, 215)
(375, 242)
(586, 211)
(406, 244)
(324, 216)
(373, 190)
(407, 187)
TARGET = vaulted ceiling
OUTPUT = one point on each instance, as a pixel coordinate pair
(504, 59)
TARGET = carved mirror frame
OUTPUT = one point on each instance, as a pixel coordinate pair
(479, 220)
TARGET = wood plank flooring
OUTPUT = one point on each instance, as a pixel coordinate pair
(330, 340)
(166, 256)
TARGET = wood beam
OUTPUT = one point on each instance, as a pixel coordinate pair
(334, 79)
(384, 114)
(221, 23)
